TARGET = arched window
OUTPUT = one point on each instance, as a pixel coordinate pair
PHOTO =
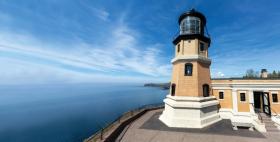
(178, 48)
(205, 90)
(188, 69)
(173, 87)
(201, 47)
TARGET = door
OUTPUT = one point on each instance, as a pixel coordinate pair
(257, 101)
(205, 90)
(173, 87)
(266, 104)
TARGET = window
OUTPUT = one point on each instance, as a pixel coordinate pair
(242, 97)
(178, 48)
(190, 25)
(205, 90)
(221, 95)
(274, 98)
(201, 47)
(173, 87)
(188, 69)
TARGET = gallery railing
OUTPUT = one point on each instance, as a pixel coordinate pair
(100, 135)
(258, 111)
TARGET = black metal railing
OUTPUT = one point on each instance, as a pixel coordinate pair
(100, 135)
(257, 111)
(188, 33)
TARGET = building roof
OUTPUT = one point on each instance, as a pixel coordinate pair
(240, 78)
(192, 12)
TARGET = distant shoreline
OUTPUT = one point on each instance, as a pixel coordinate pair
(164, 86)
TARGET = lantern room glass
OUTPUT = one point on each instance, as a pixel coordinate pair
(190, 25)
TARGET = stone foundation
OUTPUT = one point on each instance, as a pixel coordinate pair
(190, 112)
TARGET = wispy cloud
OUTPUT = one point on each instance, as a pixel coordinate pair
(100, 13)
(121, 56)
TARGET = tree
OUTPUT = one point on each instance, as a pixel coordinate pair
(250, 73)
(274, 74)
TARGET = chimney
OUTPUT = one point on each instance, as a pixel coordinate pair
(263, 73)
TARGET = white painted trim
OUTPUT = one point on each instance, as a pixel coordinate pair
(247, 86)
(224, 88)
(242, 91)
(251, 83)
(234, 99)
(187, 98)
(177, 103)
(191, 57)
(274, 92)
(275, 103)
(255, 88)
(251, 101)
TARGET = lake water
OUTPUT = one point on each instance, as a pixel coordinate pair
(67, 113)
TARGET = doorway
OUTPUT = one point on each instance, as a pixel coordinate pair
(257, 102)
(261, 103)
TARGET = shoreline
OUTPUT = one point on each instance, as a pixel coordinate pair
(164, 86)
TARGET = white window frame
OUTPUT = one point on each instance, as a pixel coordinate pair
(219, 94)
(239, 95)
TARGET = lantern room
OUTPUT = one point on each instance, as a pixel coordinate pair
(192, 25)
(192, 22)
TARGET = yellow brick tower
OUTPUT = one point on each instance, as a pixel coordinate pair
(190, 103)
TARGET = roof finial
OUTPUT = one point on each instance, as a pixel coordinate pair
(193, 10)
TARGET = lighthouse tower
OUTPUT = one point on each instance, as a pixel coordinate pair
(190, 103)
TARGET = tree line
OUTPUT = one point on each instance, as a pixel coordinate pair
(250, 73)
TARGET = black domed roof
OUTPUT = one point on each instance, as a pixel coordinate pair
(195, 13)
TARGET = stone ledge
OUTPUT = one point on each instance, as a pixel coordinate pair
(191, 58)
(189, 104)
(193, 99)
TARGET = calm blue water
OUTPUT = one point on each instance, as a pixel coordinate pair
(66, 113)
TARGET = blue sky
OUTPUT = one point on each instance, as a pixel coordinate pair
(67, 41)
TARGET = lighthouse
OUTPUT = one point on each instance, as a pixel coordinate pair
(190, 102)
